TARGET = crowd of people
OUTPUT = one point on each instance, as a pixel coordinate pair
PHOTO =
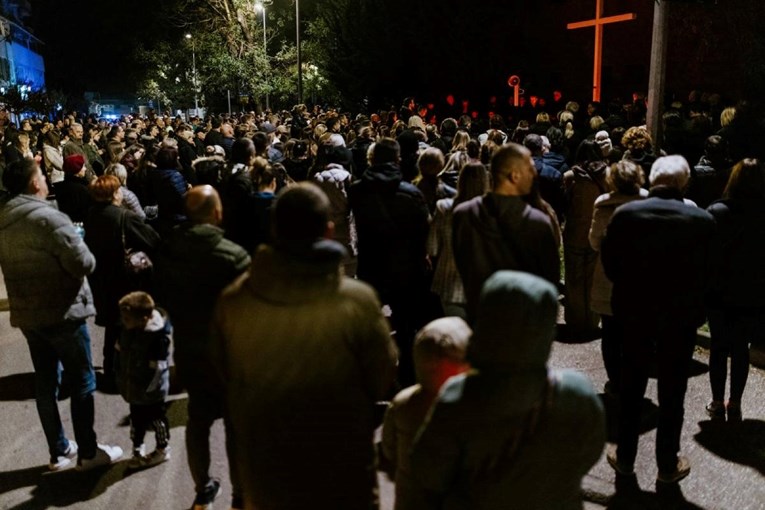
(298, 267)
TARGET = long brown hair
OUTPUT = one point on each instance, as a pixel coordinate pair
(747, 180)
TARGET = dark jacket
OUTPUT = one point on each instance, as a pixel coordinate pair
(557, 161)
(551, 186)
(168, 187)
(583, 186)
(192, 266)
(707, 182)
(740, 274)
(141, 361)
(73, 197)
(236, 195)
(103, 235)
(658, 254)
(496, 232)
(392, 227)
(187, 153)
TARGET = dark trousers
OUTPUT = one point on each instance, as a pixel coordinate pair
(146, 416)
(111, 336)
(611, 347)
(206, 405)
(411, 311)
(671, 341)
(731, 330)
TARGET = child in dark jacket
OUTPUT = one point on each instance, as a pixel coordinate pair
(143, 372)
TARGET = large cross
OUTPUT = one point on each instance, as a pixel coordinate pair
(598, 23)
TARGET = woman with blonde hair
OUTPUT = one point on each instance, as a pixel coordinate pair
(625, 180)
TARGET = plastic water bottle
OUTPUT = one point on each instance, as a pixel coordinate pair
(80, 229)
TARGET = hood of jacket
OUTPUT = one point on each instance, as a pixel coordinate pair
(515, 325)
(594, 171)
(333, 173)
(385, 177)
(554, 159)
(291, 275)
(513, 336)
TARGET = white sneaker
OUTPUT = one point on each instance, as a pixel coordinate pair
(63, 461)
(105, 455)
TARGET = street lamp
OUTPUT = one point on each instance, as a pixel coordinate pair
(299, 55)
(194, 72)
(260, 6)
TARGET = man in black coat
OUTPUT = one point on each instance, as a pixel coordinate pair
(500, 230)
(192, 267)
(658, 254)
(392, 227)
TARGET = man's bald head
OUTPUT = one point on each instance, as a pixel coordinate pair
(203, 205)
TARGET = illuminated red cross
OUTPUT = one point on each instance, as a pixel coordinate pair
(598, 23)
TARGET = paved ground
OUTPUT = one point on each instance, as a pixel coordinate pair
(728, 463)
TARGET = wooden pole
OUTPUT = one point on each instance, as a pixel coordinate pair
(596, 73)
(657, 78)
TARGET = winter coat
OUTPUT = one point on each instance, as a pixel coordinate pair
(191, 268)
(73, 197)
(658, 254)
(447, 283)
(131, 203)
(583, 185)
(557, 161)
(740, 275)
(707, 183)
(187, 153)
(392, 228)
(168, 187)
(54, 163)
(237, 197)
(510, 430)
(335, 180)
(142, 361)
(103, 235)
(551, 186)
(604, 208)
(305, 353)
(496, 232)
(44, 263)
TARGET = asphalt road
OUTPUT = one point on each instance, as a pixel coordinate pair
(728, 462)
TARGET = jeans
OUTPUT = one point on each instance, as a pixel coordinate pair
(65, 344)
(611, 347)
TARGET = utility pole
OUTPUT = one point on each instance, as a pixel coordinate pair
(658, 74)
(299, 54)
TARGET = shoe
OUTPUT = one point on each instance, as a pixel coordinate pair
(620, 468)
(204, 500)
(734, 412)
(611, 389)
(138, 454)
(158, 456)
(683, 470)
(716, 410)
(62, 461)
(104, 456)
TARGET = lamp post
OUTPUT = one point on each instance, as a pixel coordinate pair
(260, 6)
(194, 72)
(299, 55)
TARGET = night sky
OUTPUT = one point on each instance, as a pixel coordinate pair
(436, 47)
